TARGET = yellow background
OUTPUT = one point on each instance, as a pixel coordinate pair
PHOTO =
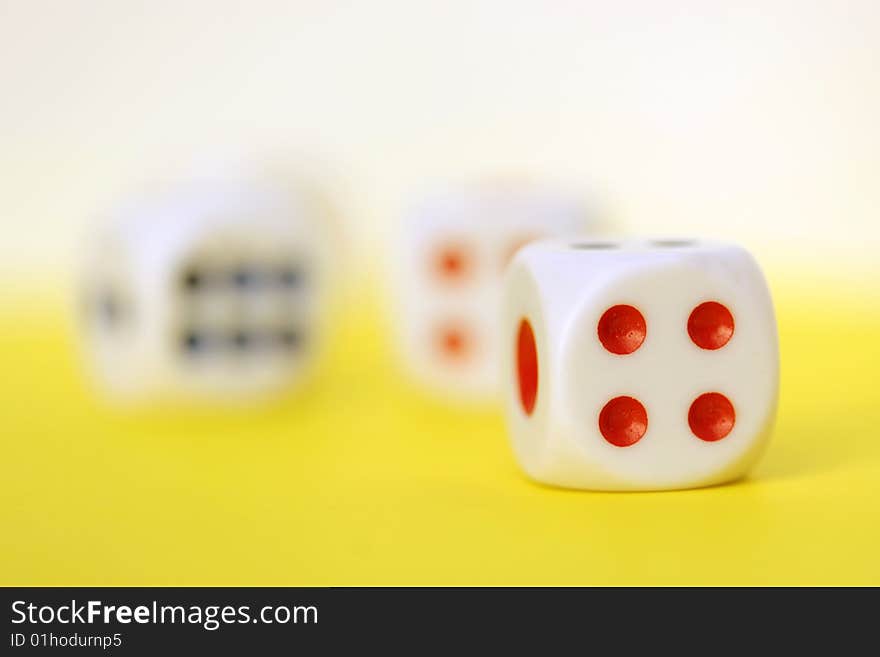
(753, 121)
(361, 480)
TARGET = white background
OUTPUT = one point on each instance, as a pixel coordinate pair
(756, 121)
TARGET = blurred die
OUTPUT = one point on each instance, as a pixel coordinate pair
(212, 291)
(448, 264)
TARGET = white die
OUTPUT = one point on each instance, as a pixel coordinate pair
(638, 365)
(449, 264)
(209, 291)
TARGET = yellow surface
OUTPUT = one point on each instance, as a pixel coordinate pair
(363, 481)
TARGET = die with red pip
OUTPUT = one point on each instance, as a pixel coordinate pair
(638, 365)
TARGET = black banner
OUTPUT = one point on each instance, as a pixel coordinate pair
(281, 620)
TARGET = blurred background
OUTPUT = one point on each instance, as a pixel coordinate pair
(755, 121)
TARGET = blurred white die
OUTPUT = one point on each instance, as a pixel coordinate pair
(450, 261)
(212, 290)
(638, 365)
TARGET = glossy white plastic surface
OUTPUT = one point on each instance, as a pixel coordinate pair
(485, 226)
(562, 290)
(139, 309)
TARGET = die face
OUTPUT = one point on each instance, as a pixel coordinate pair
(112, 317)
(453, 254)
(447, 344)
(242, 313)
(529, 385)
(665, 369)
(225, 295)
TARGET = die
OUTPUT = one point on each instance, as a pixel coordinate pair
(449, 264)
(212, 290)
(638, 365)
